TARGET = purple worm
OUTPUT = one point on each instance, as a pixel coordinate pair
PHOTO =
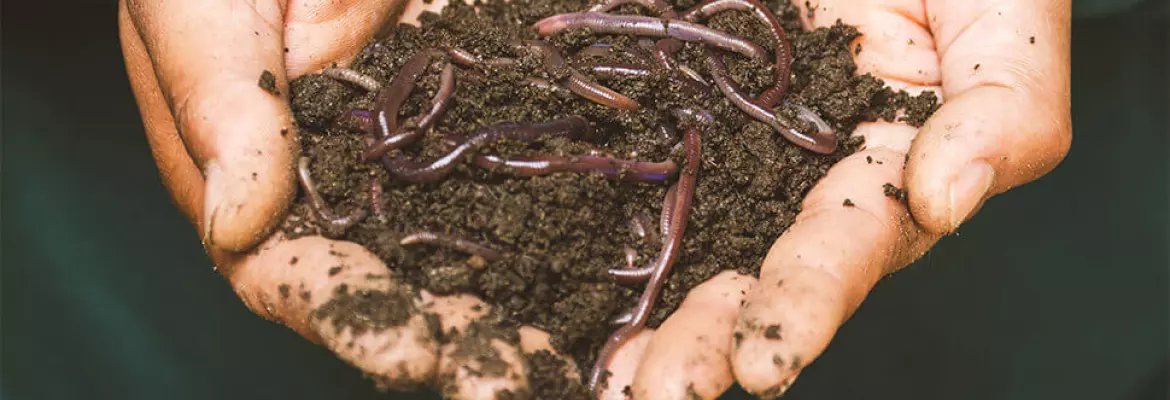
(662, 264)
(333, 225)
(453, 243)
(392, 96)
(577, 82)
(823, 142)
(624, 170)
(648, 26)
(772, 95)
(439, 105)
(571, 127)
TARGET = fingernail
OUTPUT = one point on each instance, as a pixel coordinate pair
(968, 190)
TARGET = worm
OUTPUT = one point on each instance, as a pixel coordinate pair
(466, 59)
(549, 86)
(571, 127)
(618, 70)
(453, 243)
(824, 142)
(333, 225)
(579, 84)
(439, 105)
(684, 195)
(391, 97)
(648, 26)
(623, 170)
(357, 78)
(771, 96)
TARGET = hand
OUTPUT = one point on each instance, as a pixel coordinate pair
(225, 149)
(1002, 68)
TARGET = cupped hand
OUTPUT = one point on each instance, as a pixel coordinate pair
(1002, 71)
(225, 147)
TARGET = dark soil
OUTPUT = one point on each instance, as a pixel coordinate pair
(561, 232)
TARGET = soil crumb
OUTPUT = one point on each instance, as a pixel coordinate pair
(268, 83)
(560, 233)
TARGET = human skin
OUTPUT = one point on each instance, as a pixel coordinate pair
(1001, 67)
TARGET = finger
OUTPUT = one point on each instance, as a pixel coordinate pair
(211, 59)
(339, 294)
(466, 372)
(319, 33)
(689, 356)
(179, 174)
(533, 341)
(895, 44)
(478, 360)
(618, 383)
(1007, 121)
(821, 269)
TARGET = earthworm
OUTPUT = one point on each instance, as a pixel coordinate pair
(578, 83)
(354, 77)
(772, 95)
(624, 170)
(614, 70)
(439, 105)
(549, 86)
(376, 199)
(648, 26)
(466, 59)
(662, 264)
(667, 210)
(664, 50)
(824, 142)
(453, 243)
(376, 192)
(410, 171)
(333, 225)
(390, 98)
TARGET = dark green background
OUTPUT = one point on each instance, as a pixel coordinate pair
(1058, 290)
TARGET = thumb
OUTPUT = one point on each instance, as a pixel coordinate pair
(219, 68)
(1007, 117)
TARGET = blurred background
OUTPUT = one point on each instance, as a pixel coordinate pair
(1058, 290)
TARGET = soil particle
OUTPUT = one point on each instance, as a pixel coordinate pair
(366, 310)
(283, 289)
(560, 233)
(268, 83)
(894, 192)
(772, 332)
(848, 203)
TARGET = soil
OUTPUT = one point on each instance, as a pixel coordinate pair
(560, 233)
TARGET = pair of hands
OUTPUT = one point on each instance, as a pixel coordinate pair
(225, 149)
